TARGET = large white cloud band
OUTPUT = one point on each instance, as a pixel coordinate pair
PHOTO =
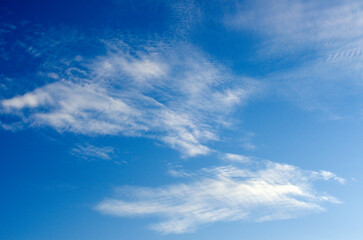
(271, 191)
(176, 96)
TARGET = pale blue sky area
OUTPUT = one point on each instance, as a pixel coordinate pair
(137, 119)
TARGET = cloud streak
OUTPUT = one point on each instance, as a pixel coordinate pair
(261, 191)
(90, 152)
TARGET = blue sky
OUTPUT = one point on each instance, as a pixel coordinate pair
(181, 119)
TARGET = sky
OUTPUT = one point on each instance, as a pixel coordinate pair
(140, 119)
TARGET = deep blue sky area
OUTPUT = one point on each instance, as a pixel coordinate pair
(140, 119)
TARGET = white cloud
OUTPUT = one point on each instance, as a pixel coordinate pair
(326, 175)
(146, 66)
(235, 157)
(176, 96)
(80, 108)
(143, 69)
(31, 100)
(270, 192)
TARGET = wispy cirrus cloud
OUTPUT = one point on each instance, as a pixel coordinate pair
(259, 191)
(173, 94)
(301, 24)
(319, 44)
